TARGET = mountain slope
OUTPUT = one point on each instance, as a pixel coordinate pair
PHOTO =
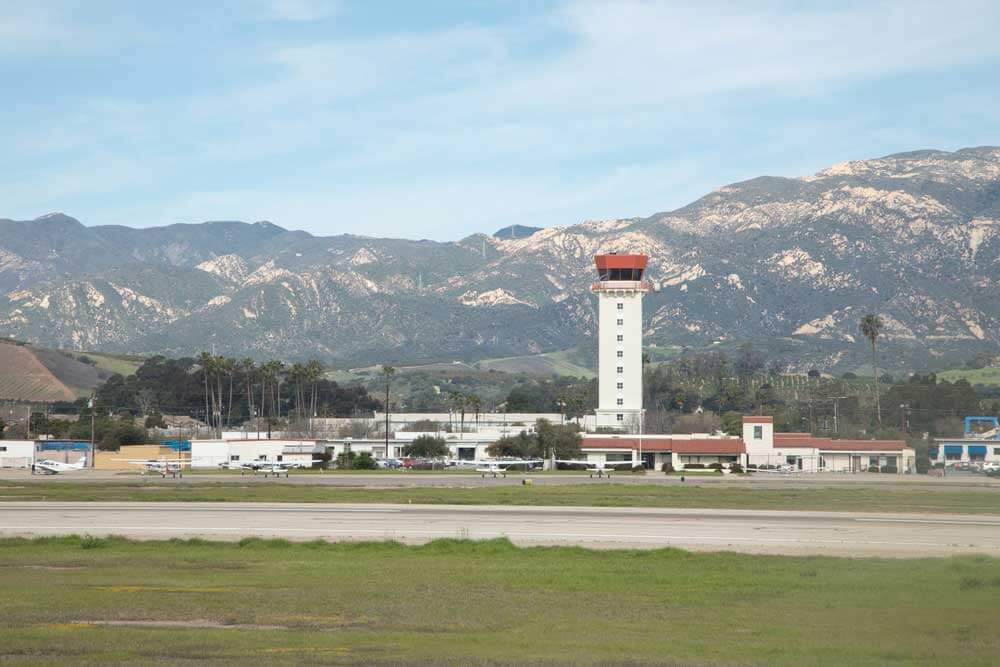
(791, 263)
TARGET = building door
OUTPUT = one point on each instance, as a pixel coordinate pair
(855, 464)
(648, 460)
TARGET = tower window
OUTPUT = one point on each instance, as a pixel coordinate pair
(620, 354)
(621, 306)
(621, 369)
(620, 417)
(620, 338)
(621, 322)
(758, 432)
(621, 401)
(621, 385)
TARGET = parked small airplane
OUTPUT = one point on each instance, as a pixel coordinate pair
(602, 468)
(268, 467)
(50, 467)
(495, 466)
(172, 467)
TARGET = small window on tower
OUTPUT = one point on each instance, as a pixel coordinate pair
(621, 338)
(621, 322)
(621, 385)
(621, 369)
(758, 432)
(620, 354)
(621, 306)
(621, 401)
(621, 417)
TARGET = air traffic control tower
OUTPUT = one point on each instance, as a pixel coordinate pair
(619, 288)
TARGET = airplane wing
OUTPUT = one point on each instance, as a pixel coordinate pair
(47, 467)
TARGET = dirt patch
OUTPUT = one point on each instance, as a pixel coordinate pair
(163, 589)
(196, 623)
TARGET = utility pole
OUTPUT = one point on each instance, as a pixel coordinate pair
(93, 454)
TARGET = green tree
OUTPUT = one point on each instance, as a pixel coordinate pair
(3, 427)
(732, 423)
(561, 441)
(871, 326)
(426, 447)
(155, 420)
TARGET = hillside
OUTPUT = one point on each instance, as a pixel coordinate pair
(789, 263)
(33, 374)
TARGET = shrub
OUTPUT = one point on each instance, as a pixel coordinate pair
(364, 461)
(736, 468)
(890, 469)
(667, 468)
(426, 446)
(694, 466)
(872, 468)
(639, 470)
(715, 466)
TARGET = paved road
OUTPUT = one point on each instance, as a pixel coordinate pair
(824, 533)
(460, 479)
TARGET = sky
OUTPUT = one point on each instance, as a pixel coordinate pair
(441, 119)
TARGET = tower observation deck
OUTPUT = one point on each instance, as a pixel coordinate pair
(619, 288)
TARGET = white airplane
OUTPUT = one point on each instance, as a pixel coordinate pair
(50, 467)
(172, 467)
(495, 466)
(780, 470)
(601, 468)
(269, 467)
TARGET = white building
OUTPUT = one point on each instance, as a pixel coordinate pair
(808, 453)
(17, 453)
(215, 453)
(619, 289)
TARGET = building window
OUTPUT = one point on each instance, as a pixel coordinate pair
(3, 448)
(758, 432)
(621, 369)
(621, 338)
(234, 457)
(621, 322)
(620, 354)
(621, 385)
(621, 401)
(620, 417)
(996, 451)
(621, 306)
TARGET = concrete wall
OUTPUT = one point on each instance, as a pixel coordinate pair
(115, 460)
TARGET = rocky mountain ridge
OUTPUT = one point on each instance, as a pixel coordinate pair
(790, 263)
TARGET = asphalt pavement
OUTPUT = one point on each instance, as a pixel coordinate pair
(749, 531)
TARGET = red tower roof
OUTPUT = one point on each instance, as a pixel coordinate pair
(605, 262)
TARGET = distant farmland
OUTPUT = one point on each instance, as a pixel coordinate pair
(24, 378)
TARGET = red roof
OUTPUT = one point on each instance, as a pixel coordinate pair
(620, 262)
(755, 419)
(680, 444)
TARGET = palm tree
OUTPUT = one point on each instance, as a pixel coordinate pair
(387, 373)
(871, 326)
(314, 373)
(476, 403)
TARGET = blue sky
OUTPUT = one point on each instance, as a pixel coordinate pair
(441, 119)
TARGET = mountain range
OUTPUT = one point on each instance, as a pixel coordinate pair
(789, 264)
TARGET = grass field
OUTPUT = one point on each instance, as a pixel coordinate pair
(562, 362)
(974, 376)
(87, 601)
(898, 498)
(122, 364)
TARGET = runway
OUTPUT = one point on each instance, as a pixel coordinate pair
(749, 531)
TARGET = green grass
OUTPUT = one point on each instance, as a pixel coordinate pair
(124, 365)
(981, 376)
(897, 498)
(477, 603)
(562, 362)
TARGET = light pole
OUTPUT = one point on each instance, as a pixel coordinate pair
(93, 453)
